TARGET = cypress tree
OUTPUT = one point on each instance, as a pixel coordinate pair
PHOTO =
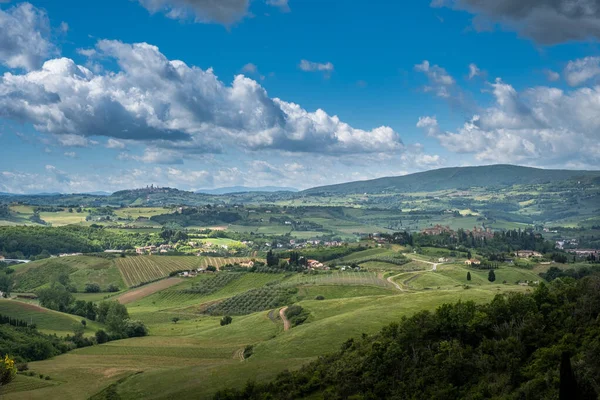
(468, 276)
(491, 276)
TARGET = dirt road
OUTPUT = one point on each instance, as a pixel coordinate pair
(391, 280)
(147, 290)
(286, 322)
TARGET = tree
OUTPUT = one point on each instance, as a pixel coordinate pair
(469, 255)
(211, 268)
(568, 385)
(8, 371)
(175, 319)
(226, 320)
(112, 287)
(84, 323)
(101, 336)
(491, 276)
(92, 288)
(115, 317)
(469, 276)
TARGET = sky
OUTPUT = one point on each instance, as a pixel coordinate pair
(198, 94)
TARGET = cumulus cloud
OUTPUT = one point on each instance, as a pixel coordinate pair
(582, 70)
(224, 12)
(174, 106)
(542, 125)
(545, 21)
(440, 82)
(24, 37)
(310, 66)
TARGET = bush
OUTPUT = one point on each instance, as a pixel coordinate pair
(296, 314)
(101, 336)
(8, 371)
(21, 367)
(92, 288)
(112, 288)
(226, 320)
(319, 297)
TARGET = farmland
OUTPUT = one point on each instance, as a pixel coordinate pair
(137, 270)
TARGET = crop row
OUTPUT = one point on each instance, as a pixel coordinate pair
(253, 300)
(142, 269)
(214, 283)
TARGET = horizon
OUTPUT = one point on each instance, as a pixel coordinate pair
(293, 189)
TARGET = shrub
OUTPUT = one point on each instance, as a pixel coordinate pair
(112, 288)
(92, 288)
(248, 351)
(7, 370)
(226, 320)
(101, 336)
(319, 297)
(296, 314)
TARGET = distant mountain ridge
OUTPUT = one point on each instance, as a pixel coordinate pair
(455, 178)
(245, 189)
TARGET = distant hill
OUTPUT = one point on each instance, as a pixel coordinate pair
(245, 189)
(454, 178)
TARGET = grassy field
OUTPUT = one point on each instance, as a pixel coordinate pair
(144, 212)
(47, 321)
(141, 269)
(61, 218)
(196, 356)
(81, 270)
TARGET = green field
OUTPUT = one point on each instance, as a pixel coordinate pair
(81, 270)
(47, 321)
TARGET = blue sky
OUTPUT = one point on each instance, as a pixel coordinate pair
(185, 93)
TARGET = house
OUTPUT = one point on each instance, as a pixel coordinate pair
(472, 261)
(2, 258)
(527, 254)
(314, 264)
(442, 259)
(248, 264)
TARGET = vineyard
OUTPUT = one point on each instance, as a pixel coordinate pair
(137, 270)
(340, 278)
(209, 286)
(253, 301)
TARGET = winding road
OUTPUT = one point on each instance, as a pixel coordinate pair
(286, 322)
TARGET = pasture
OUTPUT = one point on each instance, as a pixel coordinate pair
(47, 321)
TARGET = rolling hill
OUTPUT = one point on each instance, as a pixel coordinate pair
(456, 178)
(246, 189)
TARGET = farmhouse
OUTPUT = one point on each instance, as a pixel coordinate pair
(585, 252)
(314, 264)
(248, 264)
(1, 258)
(527, 254)
(472, 261)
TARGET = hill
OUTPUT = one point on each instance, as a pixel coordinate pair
(246, 189)
(456, 178)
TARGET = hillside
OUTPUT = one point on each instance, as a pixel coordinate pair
(246, 189)
(456, 178)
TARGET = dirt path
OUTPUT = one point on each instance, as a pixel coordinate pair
(147, 290)
(239, 354)
(286, 322)
(434, 265)
(391, 280)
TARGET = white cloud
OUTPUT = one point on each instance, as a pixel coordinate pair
(224, 12)
(281, 4)
(582, 70)
(63, 27)
(552, 76)
(114, 144)
(474, 71)
(24, 33)
(539, 126)
(440, 82)
(250, 68)
(70, 154)
(310, 66)
(173, 106)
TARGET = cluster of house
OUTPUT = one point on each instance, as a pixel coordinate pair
(478, 233)
(527, 254)
(585, 252)
(528, 283)
(192, 273)
(163, 248)
(349, 268)
(70, 254)
(472, 261)
(566, 242)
